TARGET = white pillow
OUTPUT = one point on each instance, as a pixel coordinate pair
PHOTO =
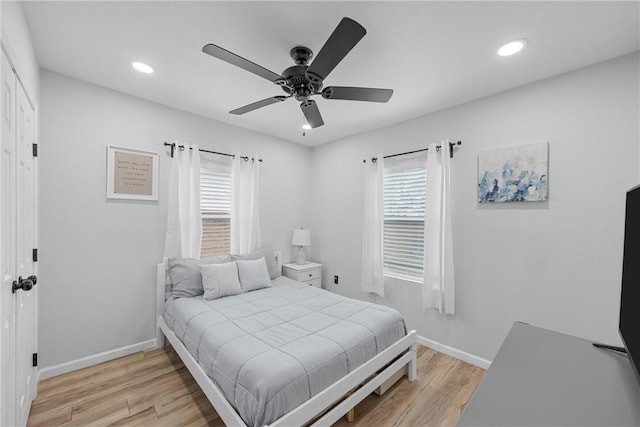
(220, 280)
(270, 258)
(185, 274)
(253, 274)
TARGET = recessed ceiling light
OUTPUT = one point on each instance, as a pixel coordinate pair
(512, 47)
(142, 67)
(306, 126)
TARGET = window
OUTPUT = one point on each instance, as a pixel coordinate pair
(215, 207)
(405, 185)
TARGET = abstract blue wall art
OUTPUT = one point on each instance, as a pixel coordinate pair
(514, 174)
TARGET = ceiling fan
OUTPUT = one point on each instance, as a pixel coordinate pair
(302, 81)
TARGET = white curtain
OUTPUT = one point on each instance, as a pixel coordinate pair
(245, 215)
(372, 227)
(439, 284)
(184, 223)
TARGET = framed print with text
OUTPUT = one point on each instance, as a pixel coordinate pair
(131, 174)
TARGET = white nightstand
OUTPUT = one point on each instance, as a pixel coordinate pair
(310, 273)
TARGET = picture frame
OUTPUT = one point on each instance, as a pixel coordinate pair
(132, 174)
(514, 174)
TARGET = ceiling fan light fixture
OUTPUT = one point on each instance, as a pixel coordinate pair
(306, 126)
(512, 47)
(142, 67)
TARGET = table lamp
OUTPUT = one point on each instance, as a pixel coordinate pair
(301, 238)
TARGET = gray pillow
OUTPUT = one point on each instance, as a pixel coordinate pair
(253, 274)
(269, 255)
(185, 274)
(220, 280)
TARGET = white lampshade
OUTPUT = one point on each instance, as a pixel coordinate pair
(301, 237)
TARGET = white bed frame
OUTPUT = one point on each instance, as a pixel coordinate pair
(368, 376)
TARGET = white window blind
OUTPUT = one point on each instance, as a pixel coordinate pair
(215, 206)
(404, 199)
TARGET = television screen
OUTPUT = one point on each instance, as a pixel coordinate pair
(630, 295)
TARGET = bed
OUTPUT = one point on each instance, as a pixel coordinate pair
(289, 354)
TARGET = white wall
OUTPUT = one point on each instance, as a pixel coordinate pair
(554, 264)
(16, 38)
(98, 256)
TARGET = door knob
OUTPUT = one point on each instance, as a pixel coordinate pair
(24, 284)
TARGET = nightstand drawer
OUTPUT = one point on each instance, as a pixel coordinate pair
(317, 283)
(304, 275)
(310, 273)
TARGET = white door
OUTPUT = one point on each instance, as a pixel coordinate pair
(18, 307)
(7, 244)
(25, 309)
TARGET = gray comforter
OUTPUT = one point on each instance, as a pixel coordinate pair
(270, 350)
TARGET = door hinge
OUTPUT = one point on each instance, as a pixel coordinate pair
(35, 255)
(35, 150)
(35, 359)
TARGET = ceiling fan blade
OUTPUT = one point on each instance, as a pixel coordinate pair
(311, 113)
(346, 35)
(357, 93)
(258, 104)
(238, 61)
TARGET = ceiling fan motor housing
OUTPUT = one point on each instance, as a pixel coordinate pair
(295, 81)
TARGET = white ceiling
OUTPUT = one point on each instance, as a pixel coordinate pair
(433, 54)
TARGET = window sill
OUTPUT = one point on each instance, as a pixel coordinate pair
(403, 277)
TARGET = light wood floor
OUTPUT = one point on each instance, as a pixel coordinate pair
(154, 388)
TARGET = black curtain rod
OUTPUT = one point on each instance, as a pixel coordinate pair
(451, 145)
(181, 147)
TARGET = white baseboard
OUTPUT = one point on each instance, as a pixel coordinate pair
(85, 362)
(454, 352)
